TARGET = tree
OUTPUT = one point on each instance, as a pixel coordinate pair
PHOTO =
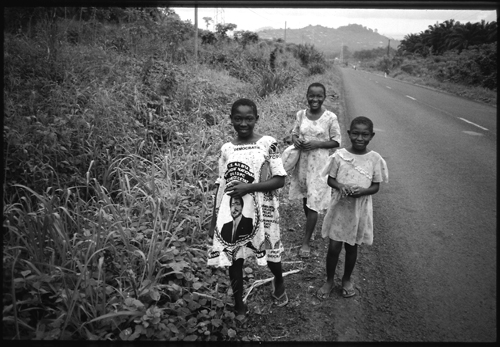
(222, 29)
(449, 35)
(246, 37)
(208, 38)
(208, 20)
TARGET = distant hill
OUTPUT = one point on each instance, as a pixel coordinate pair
(328, 40)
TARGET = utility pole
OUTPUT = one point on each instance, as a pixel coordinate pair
(388, 46)
(196, 34)
(285, 31)
(341, 53)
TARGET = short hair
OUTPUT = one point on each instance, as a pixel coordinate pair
(236, 198)
(362, 120)
(316, 84)
(244, 102)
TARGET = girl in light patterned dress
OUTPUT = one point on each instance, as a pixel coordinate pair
(245, 216)
(315, 132)
(355, 174)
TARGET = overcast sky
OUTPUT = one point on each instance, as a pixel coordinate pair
(389, 22)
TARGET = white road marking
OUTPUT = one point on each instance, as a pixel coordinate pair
(410, 97)
(468, 121)
(473, 133)
(388, 87)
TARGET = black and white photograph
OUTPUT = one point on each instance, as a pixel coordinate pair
(271, 172)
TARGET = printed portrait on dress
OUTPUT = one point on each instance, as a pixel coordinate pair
(236, 220)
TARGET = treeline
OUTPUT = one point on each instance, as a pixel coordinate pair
(25, 18)
(449, 35)
(463, 54)
(369, 54)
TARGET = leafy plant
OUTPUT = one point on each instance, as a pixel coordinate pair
(109, 162)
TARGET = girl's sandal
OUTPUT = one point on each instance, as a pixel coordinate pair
(281, 301)
(278, 301)
(348, 292)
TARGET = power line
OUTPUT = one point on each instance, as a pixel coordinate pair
(258, 14)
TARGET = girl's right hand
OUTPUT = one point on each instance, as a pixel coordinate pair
(297, 142)
(345, 190)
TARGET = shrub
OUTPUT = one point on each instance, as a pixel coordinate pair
(109, 165)
(316, 69)
(275, 82)
(409, 68)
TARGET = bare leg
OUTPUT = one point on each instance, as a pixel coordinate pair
(279, 284)
(236, 277)
(304, 205)
(332, 258)
(351, 255)
(312, 218)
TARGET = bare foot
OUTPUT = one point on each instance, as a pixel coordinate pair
(305, 251)
(324, 291)
(242, 310)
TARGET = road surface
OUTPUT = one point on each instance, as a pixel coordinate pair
(431, 273)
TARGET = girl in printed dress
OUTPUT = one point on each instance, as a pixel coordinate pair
(316, 131)
(355, 174)
(245, 216)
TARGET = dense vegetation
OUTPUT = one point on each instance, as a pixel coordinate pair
(460, 58)
(449, 35)
(111, 137)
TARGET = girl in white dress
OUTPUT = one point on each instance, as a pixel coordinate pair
(355, 174)
(315, 132)
(245, 217)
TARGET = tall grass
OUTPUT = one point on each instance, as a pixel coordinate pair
(84, 259)
(109, 163)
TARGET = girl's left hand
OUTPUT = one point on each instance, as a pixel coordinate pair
(310, 145)
(237, 188)
(355, 191)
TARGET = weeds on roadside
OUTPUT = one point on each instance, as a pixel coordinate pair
(109, 167)
(125, 268)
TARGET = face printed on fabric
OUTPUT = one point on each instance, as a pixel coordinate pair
(315, 98)
(360, 136)
(236, 207)
(244, 120)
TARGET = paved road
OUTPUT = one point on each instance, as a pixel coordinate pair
(431, 273)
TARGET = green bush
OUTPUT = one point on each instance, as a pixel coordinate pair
(275, 82)
(109, 162)
(409, 68)
(307, 55)
(316, 69)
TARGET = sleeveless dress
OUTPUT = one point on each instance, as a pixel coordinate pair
(256, 231)
(350, 219)
(305, 181)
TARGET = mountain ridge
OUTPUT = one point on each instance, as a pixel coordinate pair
(329, 40)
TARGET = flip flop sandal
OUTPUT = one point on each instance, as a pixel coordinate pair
(278, 301)
(348, 293)
(281, 301)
